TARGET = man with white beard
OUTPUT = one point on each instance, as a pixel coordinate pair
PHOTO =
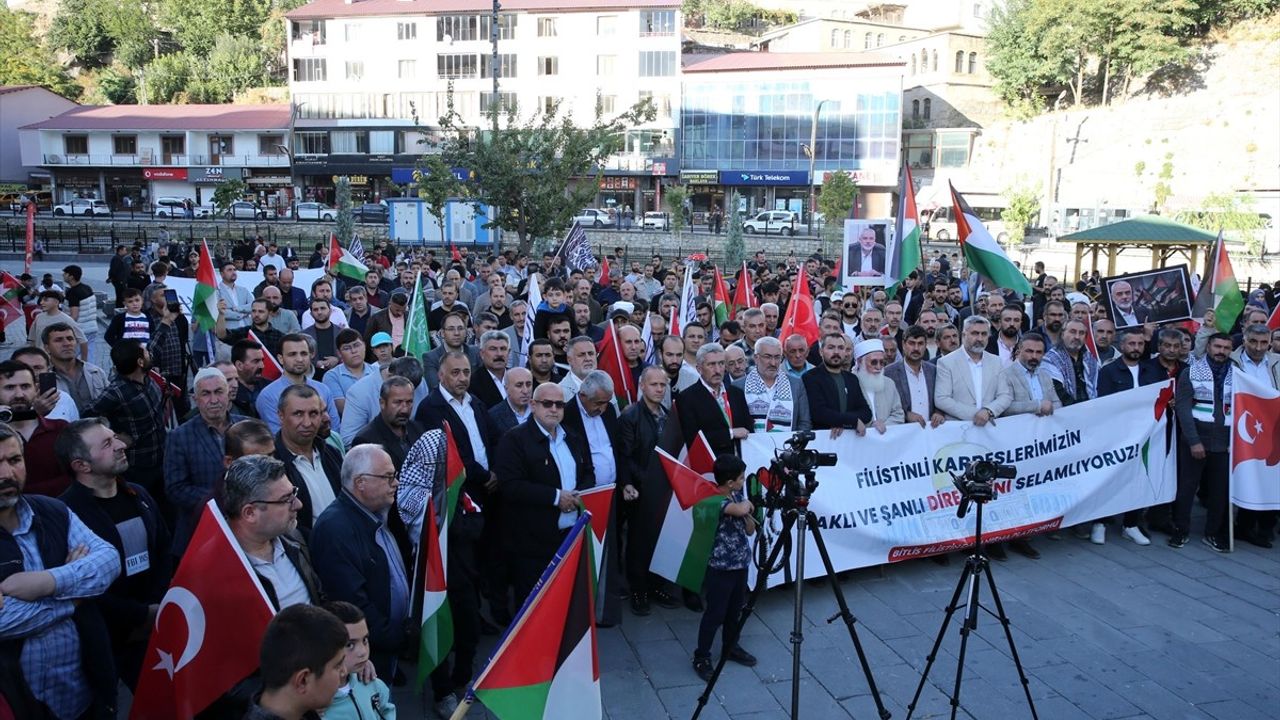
(881, 393)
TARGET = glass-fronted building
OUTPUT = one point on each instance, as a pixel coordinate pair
(747, 122)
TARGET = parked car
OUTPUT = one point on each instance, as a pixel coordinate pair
(783, 222)
(656, 221)
(370, 213)
(314, 211)
(591, 217)
(83, 206)
(42, 198)
(170, 207)
(244, 210)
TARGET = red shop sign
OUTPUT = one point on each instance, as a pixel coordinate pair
(164, 173)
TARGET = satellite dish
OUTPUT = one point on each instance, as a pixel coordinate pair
(448, 39)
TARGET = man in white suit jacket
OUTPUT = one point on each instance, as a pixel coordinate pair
(968, 383)
(1016, 380)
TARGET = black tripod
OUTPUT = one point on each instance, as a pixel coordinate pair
(975, 565)
(804, 521)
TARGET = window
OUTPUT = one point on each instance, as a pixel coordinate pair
(546, 27)
(657, 22)
(220, 145)
(171, 145)
(835, 38)
(924, 61)
(506, 65)
(351, 32)
(661, 102)
(848, 39)
(382, 142)
(657, 63)
(866, 41)
(75, 144)
(977, 10)
(928, 108)
(350, 142)
(953, 149)
(605, 64)
(548, 66)
(309, 31)
(309, 70)
(406, 31)
(457, 66)
(918, 149)
(973, 63)
(959, 61)
(355, 70)
(607, 25)
(913, 63)
(548, 103)
(271, 145)
(506, 101)
(934, 54)
(406, 69)
(879, 39)
(459, 28)
(915, 109)
(124, 144)
(608, 104)
(311, 143)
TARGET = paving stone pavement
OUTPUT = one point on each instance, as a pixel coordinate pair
(1110, 631)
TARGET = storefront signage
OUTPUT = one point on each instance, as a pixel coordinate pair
(700, 177)
(215, 174)
(659, 168)
(863, 177)
(164, 173)
(617, 183)
(381, 158)
(764, 177)
(353, 179)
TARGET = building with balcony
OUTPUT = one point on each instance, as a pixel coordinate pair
(130, 154)
(370, 79)
(22, 105)
(747, 125)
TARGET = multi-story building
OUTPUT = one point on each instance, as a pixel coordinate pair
(129, 155)
(22, 105)
(370, 79)
(747, 124)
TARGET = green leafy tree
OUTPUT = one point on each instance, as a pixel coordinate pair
(342, 201)
(1024, 206)
(1163, 188)
(536, 170)
(674, 198)
(234, 64)
(25, 61)
(113, 85)
(734, 249)
(1014, 58)
(436, 186)
(227, 192)
(1231, 214)
(133, 33)
(80, 29)
(197, 24)
(838, 195)
(165, 79)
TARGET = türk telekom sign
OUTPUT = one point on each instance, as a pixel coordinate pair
(164, 173)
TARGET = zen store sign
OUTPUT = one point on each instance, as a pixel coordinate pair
(213, 175)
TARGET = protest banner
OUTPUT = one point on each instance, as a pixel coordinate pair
(891, 498)
(1151, 296)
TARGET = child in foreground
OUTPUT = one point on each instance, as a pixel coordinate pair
(358, 700)
(726, 580)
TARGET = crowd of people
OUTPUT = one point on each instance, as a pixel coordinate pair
(325, 473)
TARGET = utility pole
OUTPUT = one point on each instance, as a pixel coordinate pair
(496, 105)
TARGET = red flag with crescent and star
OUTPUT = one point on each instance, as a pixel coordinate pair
(207, 629)
(1255, 443)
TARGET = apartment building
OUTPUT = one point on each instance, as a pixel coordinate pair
(369, 80)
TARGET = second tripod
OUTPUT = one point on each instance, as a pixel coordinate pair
(803, 521)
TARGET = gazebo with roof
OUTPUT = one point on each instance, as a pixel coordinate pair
(1162, 237)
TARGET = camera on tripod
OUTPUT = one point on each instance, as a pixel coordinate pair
(977, 483)
(792, 470)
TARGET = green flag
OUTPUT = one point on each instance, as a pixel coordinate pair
(417, 335)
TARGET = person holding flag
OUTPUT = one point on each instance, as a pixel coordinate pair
(1202, 404)
(1253, 359)
(726, 579)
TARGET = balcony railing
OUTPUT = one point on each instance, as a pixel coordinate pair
(163, 160)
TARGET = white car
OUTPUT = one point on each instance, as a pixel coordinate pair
(244, 210)
(656, 221)
(83, 206)
(783, 222)
(314, 211)
(175, 207)
(591, 217)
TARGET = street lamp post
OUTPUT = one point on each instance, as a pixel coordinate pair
(813, 159)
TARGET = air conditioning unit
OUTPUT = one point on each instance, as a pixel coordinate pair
(53, 160)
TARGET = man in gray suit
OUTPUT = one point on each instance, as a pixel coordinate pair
(777, 401)
(1028, 385)
(915, 378)
(453, 338)
(968, 384)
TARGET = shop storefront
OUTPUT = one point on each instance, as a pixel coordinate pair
(69, 186)
(206, 179)
(271, 191)
(705, 193)
(618, 192)
(768, 189)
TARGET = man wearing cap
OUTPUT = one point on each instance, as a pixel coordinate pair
(391, 319)
(777, 401)
(881, 394)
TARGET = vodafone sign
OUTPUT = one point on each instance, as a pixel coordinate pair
(164, 173)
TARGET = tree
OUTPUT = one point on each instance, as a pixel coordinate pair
(165, 79)
(535, 171)
(1014, 59)
(1024, 205)
(675, 198)
(234, 64)
(436, 186)
(133, 32)
(198, 23)
(80, 29)
(342, 201)
(839, 192)
(109, 86)
(24, 61)
(227, 192)
(734, 250)
(1231, 214)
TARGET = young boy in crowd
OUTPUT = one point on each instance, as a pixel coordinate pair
(726, 581)
(132, 324)
(358, 700)
(301, 662)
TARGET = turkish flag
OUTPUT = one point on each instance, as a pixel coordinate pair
(208, 628)
(612, 362)
(1255, 443)
(800, 319)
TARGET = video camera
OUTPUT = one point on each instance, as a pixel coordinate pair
(976, 483)
(792, 470)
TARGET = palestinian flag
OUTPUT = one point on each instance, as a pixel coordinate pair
(720, 308)
(271, 369)
(598, 501)
(343, 264)
(689, 527)
(1090, 343)
(204, 300)
(1220, 292)
(417, 334)
(547, 664)
(11, 291)
(1273, 322)
(611, 361)
(981, 251)
(907, 251)
(433, 564)
(744, 295)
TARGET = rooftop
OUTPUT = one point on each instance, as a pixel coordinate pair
(747, 61)
(169, 117)
(1146, 230)
(319, 9)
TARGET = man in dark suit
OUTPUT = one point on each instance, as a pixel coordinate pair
(487, 380)
(540, 466)
(866, 258)
(835, 397)
(1126, 312)
(712, 406)
(453, 338)
(393, 428)
(515, 408)
(313, 465)
(915, 378)
(452, 402)
(385, 320)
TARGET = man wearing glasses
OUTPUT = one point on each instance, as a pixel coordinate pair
(359, 559)
(777, 402)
